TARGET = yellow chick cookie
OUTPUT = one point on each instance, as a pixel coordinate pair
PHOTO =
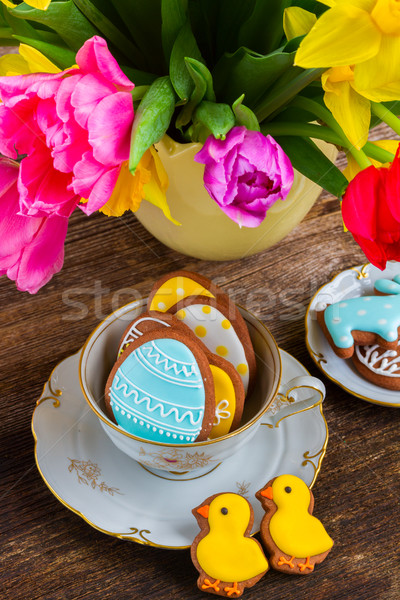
(225, 555)
(294, 538)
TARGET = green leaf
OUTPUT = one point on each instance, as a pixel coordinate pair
(218, 118)
(143, 20)
(244, 115)
(198, 69)
(200, 90)
(232, 15)
(64, 18)
(152, 119)
(138, 77)
(19, 26)
(185, 46)
(263, 30)
(285, 90)
(61, 56)
(307, 158)
(246, 72)
(108, 29)
(173, 18)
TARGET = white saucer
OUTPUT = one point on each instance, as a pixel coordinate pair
(116, 495)
(357, 281)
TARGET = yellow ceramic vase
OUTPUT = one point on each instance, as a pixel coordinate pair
(205, 231)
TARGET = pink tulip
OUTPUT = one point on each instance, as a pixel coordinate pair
(31, 248)
(74, 128)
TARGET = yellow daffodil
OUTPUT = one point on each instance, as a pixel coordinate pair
(363, 33)
(41, 4)
(29, 60)
(150, 183)
(351, 110)
(353, 167)
(297, 21)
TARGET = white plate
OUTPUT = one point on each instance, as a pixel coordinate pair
(116, 495)
(357, 281)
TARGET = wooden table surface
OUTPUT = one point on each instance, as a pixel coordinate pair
(50, 553)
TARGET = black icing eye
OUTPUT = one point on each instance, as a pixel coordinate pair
(288, 489)
(224, 511)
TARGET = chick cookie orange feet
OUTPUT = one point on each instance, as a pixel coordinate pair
(227, 558)
(295, 540)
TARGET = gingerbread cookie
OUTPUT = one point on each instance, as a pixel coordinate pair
(293, 537)
(229, 396)
(176, 286)
(225, 555)
(228, 388)
(161, 389)
(222, 329)
(379, 365)
(147, 321)
(366, 320)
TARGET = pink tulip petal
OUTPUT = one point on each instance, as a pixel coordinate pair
(44, 256)
(15, 231)
(101, 191)
(43, 190)
(94, 57)
(18, 129)
(109, 128)
(88, 92)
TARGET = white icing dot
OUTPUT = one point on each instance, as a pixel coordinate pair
(188, 438)
(154, 428)
(336, 320)
(388, 306)
(180, 292)
(161, 431)
(174, 435)
(117, 408)
(134, 419)
(181, 437)
(361, 312)
(122, 412)
(367, 298)
(382, 322)
(161, 306)
(148, 426)
(111, 403)
(141, 423)
(392, 335)
(168, 434)
(343, 304)
(344, 338)
(128, 416)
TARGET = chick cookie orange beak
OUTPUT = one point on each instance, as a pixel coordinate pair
(267, 493)
(204, 510)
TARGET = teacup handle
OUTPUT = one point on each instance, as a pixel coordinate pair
(298, 395)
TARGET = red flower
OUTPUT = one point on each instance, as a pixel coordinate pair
(371, 212)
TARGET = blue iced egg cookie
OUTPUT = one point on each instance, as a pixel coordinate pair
(161, 389)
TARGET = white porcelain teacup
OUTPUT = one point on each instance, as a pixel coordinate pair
(174, 461)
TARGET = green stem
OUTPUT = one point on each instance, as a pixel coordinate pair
(309, 130)
(326, 116)
(379, 154)
(360, 157)
(278, 96)
(385, 115)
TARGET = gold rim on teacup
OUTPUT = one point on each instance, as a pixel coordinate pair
(93, 404)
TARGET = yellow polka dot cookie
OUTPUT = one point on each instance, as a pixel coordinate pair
(176, 286)
(223, 331)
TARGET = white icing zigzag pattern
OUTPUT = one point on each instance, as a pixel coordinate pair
(167, 362)
(133, 395)
(373, 355)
